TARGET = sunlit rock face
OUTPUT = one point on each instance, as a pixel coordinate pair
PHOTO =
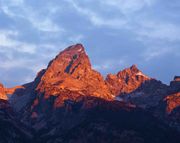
(70, 76)
(126, 80)
(173, 102)
(173, 97)
(3, 93)
(133, 86)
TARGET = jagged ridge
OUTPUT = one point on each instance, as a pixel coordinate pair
(69, 85)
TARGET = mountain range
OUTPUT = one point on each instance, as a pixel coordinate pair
(70, 102)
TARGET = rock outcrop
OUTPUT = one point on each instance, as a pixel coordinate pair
(3, 95)
(173, 102)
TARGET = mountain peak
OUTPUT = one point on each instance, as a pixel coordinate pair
(69, 61)
(126, 81)
(130, 71)
(72, 52)
(75, 48)
(134, 68)
(71, 71)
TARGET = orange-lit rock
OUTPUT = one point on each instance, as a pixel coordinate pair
(126, 80)
(173, 101)
(12, 90)
(3, 95)
(70, 75)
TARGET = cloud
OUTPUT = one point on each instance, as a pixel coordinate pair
(18, 9)
(108, 65)
(76, 38)
(128, 6)
(95, 18)
(159, 31)
(44, 24)
(156, 52)
(13, 2)
(11, 47)
(7, 42)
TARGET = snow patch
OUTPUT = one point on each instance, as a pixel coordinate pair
(141, 74)
(79, 50)
(119, 99)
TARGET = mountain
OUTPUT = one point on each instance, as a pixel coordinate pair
(69, 77)
(133, 86)
(71, 71)
(71, 102)
(126, 81)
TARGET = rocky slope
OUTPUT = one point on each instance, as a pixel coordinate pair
(11, 130)
(106, 121)
(132, 86)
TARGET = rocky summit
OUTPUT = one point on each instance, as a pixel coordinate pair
(71, 71)
(70, 102)
(126, 80)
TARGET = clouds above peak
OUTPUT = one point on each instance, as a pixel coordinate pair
(8, 43)
(96, 18)
(116, 34)
(18, 9)
(160, 31)
(129, 6)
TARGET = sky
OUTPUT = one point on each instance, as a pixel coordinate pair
(115, 34)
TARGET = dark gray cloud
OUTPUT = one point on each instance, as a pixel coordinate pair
(116, 34)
